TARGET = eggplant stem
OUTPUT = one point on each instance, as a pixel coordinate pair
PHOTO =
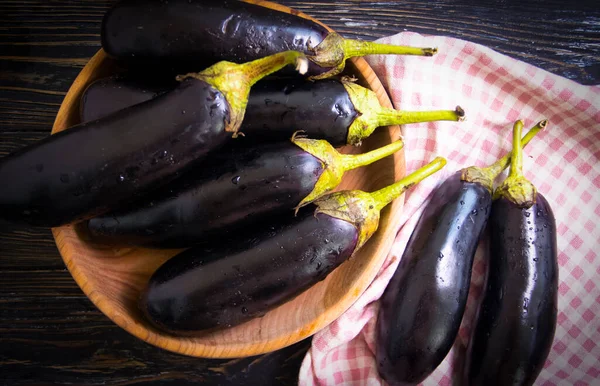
(353, 161)
(516, 159)
(235, 80)
(386, 195)
(353, 47)
(363, 209)
(334, 164)
(259, 68)
(497, 167)
(388, 117)
(372, 115)
(333, 51)
(516, 188)
(485, 176)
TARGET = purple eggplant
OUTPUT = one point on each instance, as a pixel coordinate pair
(108, 95)
(232, 191)
(338, 111)
(516, 320)
(423, 304)
(92, 167)
(228, 283)
(206, 31)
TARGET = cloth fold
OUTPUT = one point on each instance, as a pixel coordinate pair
(562, 162)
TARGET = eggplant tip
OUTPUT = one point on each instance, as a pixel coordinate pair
(460, 112)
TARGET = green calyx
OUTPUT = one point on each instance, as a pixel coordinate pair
(333, 51)
(372, 115)
(516, 188)
(336, 164)
(363, 209)
(486, 176)
(235, 80)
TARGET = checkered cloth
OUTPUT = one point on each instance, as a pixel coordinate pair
(562, 162)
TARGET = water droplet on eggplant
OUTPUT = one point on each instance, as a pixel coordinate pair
(235, 180)
(462, 202)
(244, 310)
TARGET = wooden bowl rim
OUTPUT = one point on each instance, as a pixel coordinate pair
(172, 343)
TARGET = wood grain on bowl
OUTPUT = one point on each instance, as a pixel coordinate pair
(113, 278)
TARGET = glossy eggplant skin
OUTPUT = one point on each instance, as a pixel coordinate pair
(276, 107)
(322, 109)
(230, 191)
(92, 167)
(204, 31)
(516, 321)
(423, 304)
(232, 282)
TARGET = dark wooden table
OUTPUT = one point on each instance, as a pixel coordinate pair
(50, 333)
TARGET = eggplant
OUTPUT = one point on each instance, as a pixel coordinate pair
(92, 167)
(227, 283)
(206, 31)
(516, 320)
(108, 95)
(231, 191)
(338, 111)
(423, 304)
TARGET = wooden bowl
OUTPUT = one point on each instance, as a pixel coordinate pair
(113, 278)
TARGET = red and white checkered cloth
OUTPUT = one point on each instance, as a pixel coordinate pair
(562, 162)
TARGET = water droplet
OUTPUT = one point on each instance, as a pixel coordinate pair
(244, 310)
(326, 241)
(235, 180)
(474, 211)
(121, 178)
(319, 264)
(527, 214)
(183, 112)
(545, 225)
(462, 202)
(441, 256)
(525, 304)
(64, 178)
(539, 213)
(535, 259)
